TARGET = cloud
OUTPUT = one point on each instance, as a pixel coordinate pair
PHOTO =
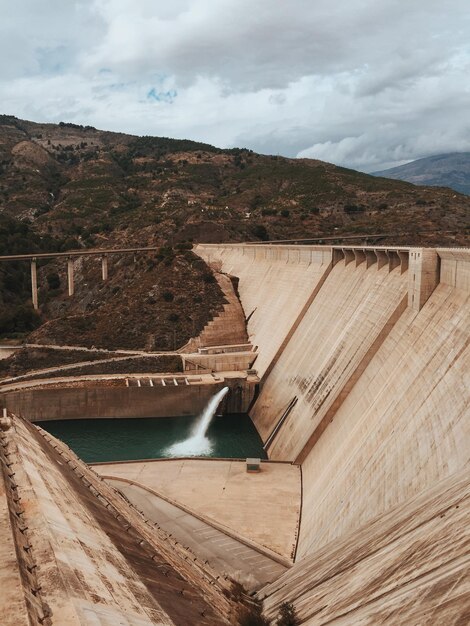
(363, 83)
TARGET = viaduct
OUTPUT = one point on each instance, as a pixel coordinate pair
(70, 256)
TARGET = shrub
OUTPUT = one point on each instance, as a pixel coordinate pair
(166, 254)
(53, 280)
(168, 296)
(260, 231)
(184, 245)
(253, 617)
(353, 208)
(287, 616)
(267, 211)
(19, 319)
(256, 201)
(285, 213)
(208, 278)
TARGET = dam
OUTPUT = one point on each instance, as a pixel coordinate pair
(355, 371)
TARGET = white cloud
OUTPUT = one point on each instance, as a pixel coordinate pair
(363, 83)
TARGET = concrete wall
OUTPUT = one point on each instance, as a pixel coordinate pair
(275, 284)
(403, 427)
(62, 402)
(408, 567)
(222, 362)
(455, 267)
(6, 351)
(424, 268)
(327, 352)
(370, 385)
(226, 327)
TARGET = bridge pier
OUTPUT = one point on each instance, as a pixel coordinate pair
(70, 282)
(70, 255)
(104, 267)
(34, 284)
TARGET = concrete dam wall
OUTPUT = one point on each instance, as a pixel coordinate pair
(401, 428)
(363, 356)
(366, 361)
(275, 284)
(322, 359)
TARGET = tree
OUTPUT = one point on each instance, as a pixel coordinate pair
(260, 231)
(53, 280)
(287, 616)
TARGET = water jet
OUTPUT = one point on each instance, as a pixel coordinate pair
(198, 444)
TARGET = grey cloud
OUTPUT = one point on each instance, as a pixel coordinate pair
(254, 45)
(30, 31)
(359, 82)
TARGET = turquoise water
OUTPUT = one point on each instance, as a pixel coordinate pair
(94, 440)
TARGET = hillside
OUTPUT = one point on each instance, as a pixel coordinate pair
(442, 170)
(65, 186)
(17, 237)
(96, 186)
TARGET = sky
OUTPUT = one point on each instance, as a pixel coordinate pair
(367, 84)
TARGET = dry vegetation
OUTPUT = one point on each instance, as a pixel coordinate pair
(66, 186)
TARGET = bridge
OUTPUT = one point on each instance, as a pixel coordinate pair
(71, 256)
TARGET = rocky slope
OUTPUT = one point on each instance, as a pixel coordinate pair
(99, 187)
(157, 303)
(66, 186)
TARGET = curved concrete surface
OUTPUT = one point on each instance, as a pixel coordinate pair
(403, 427)
(263, 508)
(408, 567)
(326, 352)
(370, 393)
(222, 552)
(84, 555)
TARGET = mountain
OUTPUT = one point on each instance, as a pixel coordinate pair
(65, 186)
(79, 183)
(443, 170)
